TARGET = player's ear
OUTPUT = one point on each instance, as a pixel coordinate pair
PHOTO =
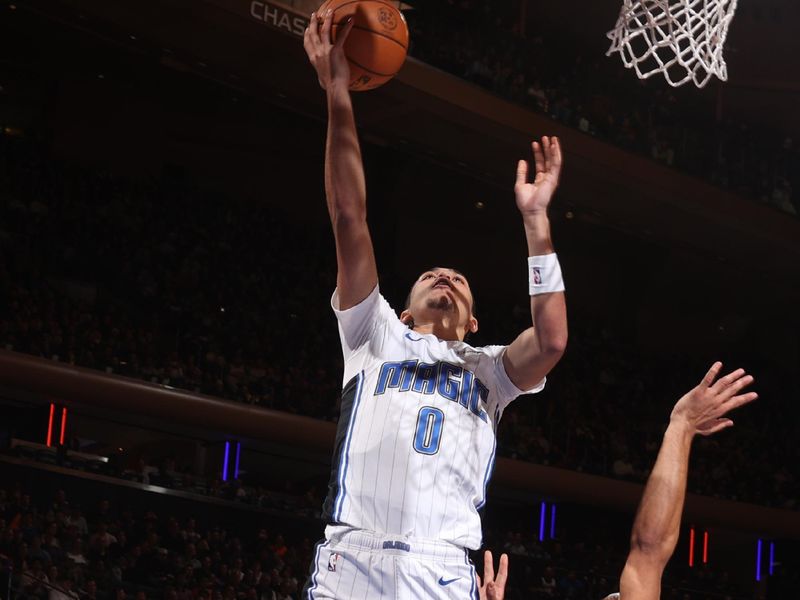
(407, 319)
(472, 326)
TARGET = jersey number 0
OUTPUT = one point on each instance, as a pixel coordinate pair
(429, 430)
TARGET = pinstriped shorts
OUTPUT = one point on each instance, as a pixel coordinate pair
(353, 564)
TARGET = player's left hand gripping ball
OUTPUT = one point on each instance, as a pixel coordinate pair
(375, 48)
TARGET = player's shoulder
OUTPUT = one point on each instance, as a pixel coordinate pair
(374, 305)
(465, 349)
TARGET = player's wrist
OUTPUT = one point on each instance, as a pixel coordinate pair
(682, 426)
(337, 89)
(534, 216)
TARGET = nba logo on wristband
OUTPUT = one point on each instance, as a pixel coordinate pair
(544, 275)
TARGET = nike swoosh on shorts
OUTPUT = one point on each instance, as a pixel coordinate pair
(444, 582)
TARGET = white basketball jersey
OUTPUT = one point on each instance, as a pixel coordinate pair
(415, 444)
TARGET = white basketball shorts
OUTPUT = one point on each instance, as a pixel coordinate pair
(354, 564)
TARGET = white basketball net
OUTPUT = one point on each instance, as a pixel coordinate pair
(683, 39)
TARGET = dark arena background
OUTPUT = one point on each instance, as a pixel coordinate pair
(170, 366)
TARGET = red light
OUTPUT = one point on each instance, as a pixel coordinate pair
(691, 547)
(705, 548)
(63, 424)
(50, 425)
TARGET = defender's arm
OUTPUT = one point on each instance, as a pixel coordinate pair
(657, 525)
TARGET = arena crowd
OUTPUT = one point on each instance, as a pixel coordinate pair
(55, 548)
(162, 281)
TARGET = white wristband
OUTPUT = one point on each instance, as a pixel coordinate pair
(544, 275)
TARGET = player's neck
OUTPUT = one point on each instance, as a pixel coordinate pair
(443, 329)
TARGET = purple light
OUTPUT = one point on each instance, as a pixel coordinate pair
(553, 522)
(758, 561)
(771, 557)
(542, 513)
(236, 468)
(225, 461)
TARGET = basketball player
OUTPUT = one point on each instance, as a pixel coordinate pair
(657, 524)
(416, 438)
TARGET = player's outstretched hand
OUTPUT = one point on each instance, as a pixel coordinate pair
(535, 197)
(704, 408)
(491, 587)
(327, 57)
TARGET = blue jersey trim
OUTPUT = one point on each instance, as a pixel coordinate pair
(344, 461)
(473, 594)
(488, 475)
(313, 578)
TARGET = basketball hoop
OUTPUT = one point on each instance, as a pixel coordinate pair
(683, 39)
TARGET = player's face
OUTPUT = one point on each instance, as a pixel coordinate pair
(442, 289)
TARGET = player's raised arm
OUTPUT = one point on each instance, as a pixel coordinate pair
(657, 525)
(537, 350)
(345, 187)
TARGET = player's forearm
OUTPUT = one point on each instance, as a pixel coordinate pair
(345, 187)
(548, 311)
(657, 525)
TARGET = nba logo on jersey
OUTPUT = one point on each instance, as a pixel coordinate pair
(537, 275)
(332, 560)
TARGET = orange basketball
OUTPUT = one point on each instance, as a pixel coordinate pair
(378, 42)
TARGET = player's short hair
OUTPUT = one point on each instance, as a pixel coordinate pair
(614, 596)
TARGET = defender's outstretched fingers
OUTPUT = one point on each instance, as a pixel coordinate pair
(719, 425)
(502, 571)
(738, 401)
(726, 381)
(737, 385)
(712, 374)
(488, 566)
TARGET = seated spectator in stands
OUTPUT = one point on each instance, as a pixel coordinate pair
(623, 468)
(75, 555)
(34, 579)
(63, 590)
(547, 583)
(571, 586)
(101, 539)
(38, 554)
(75, 517)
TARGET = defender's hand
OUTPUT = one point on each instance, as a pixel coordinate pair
(535, 197)
(328, 58)
(703, 408)
(491, 587)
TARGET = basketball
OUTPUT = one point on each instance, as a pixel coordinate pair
(377, 45)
